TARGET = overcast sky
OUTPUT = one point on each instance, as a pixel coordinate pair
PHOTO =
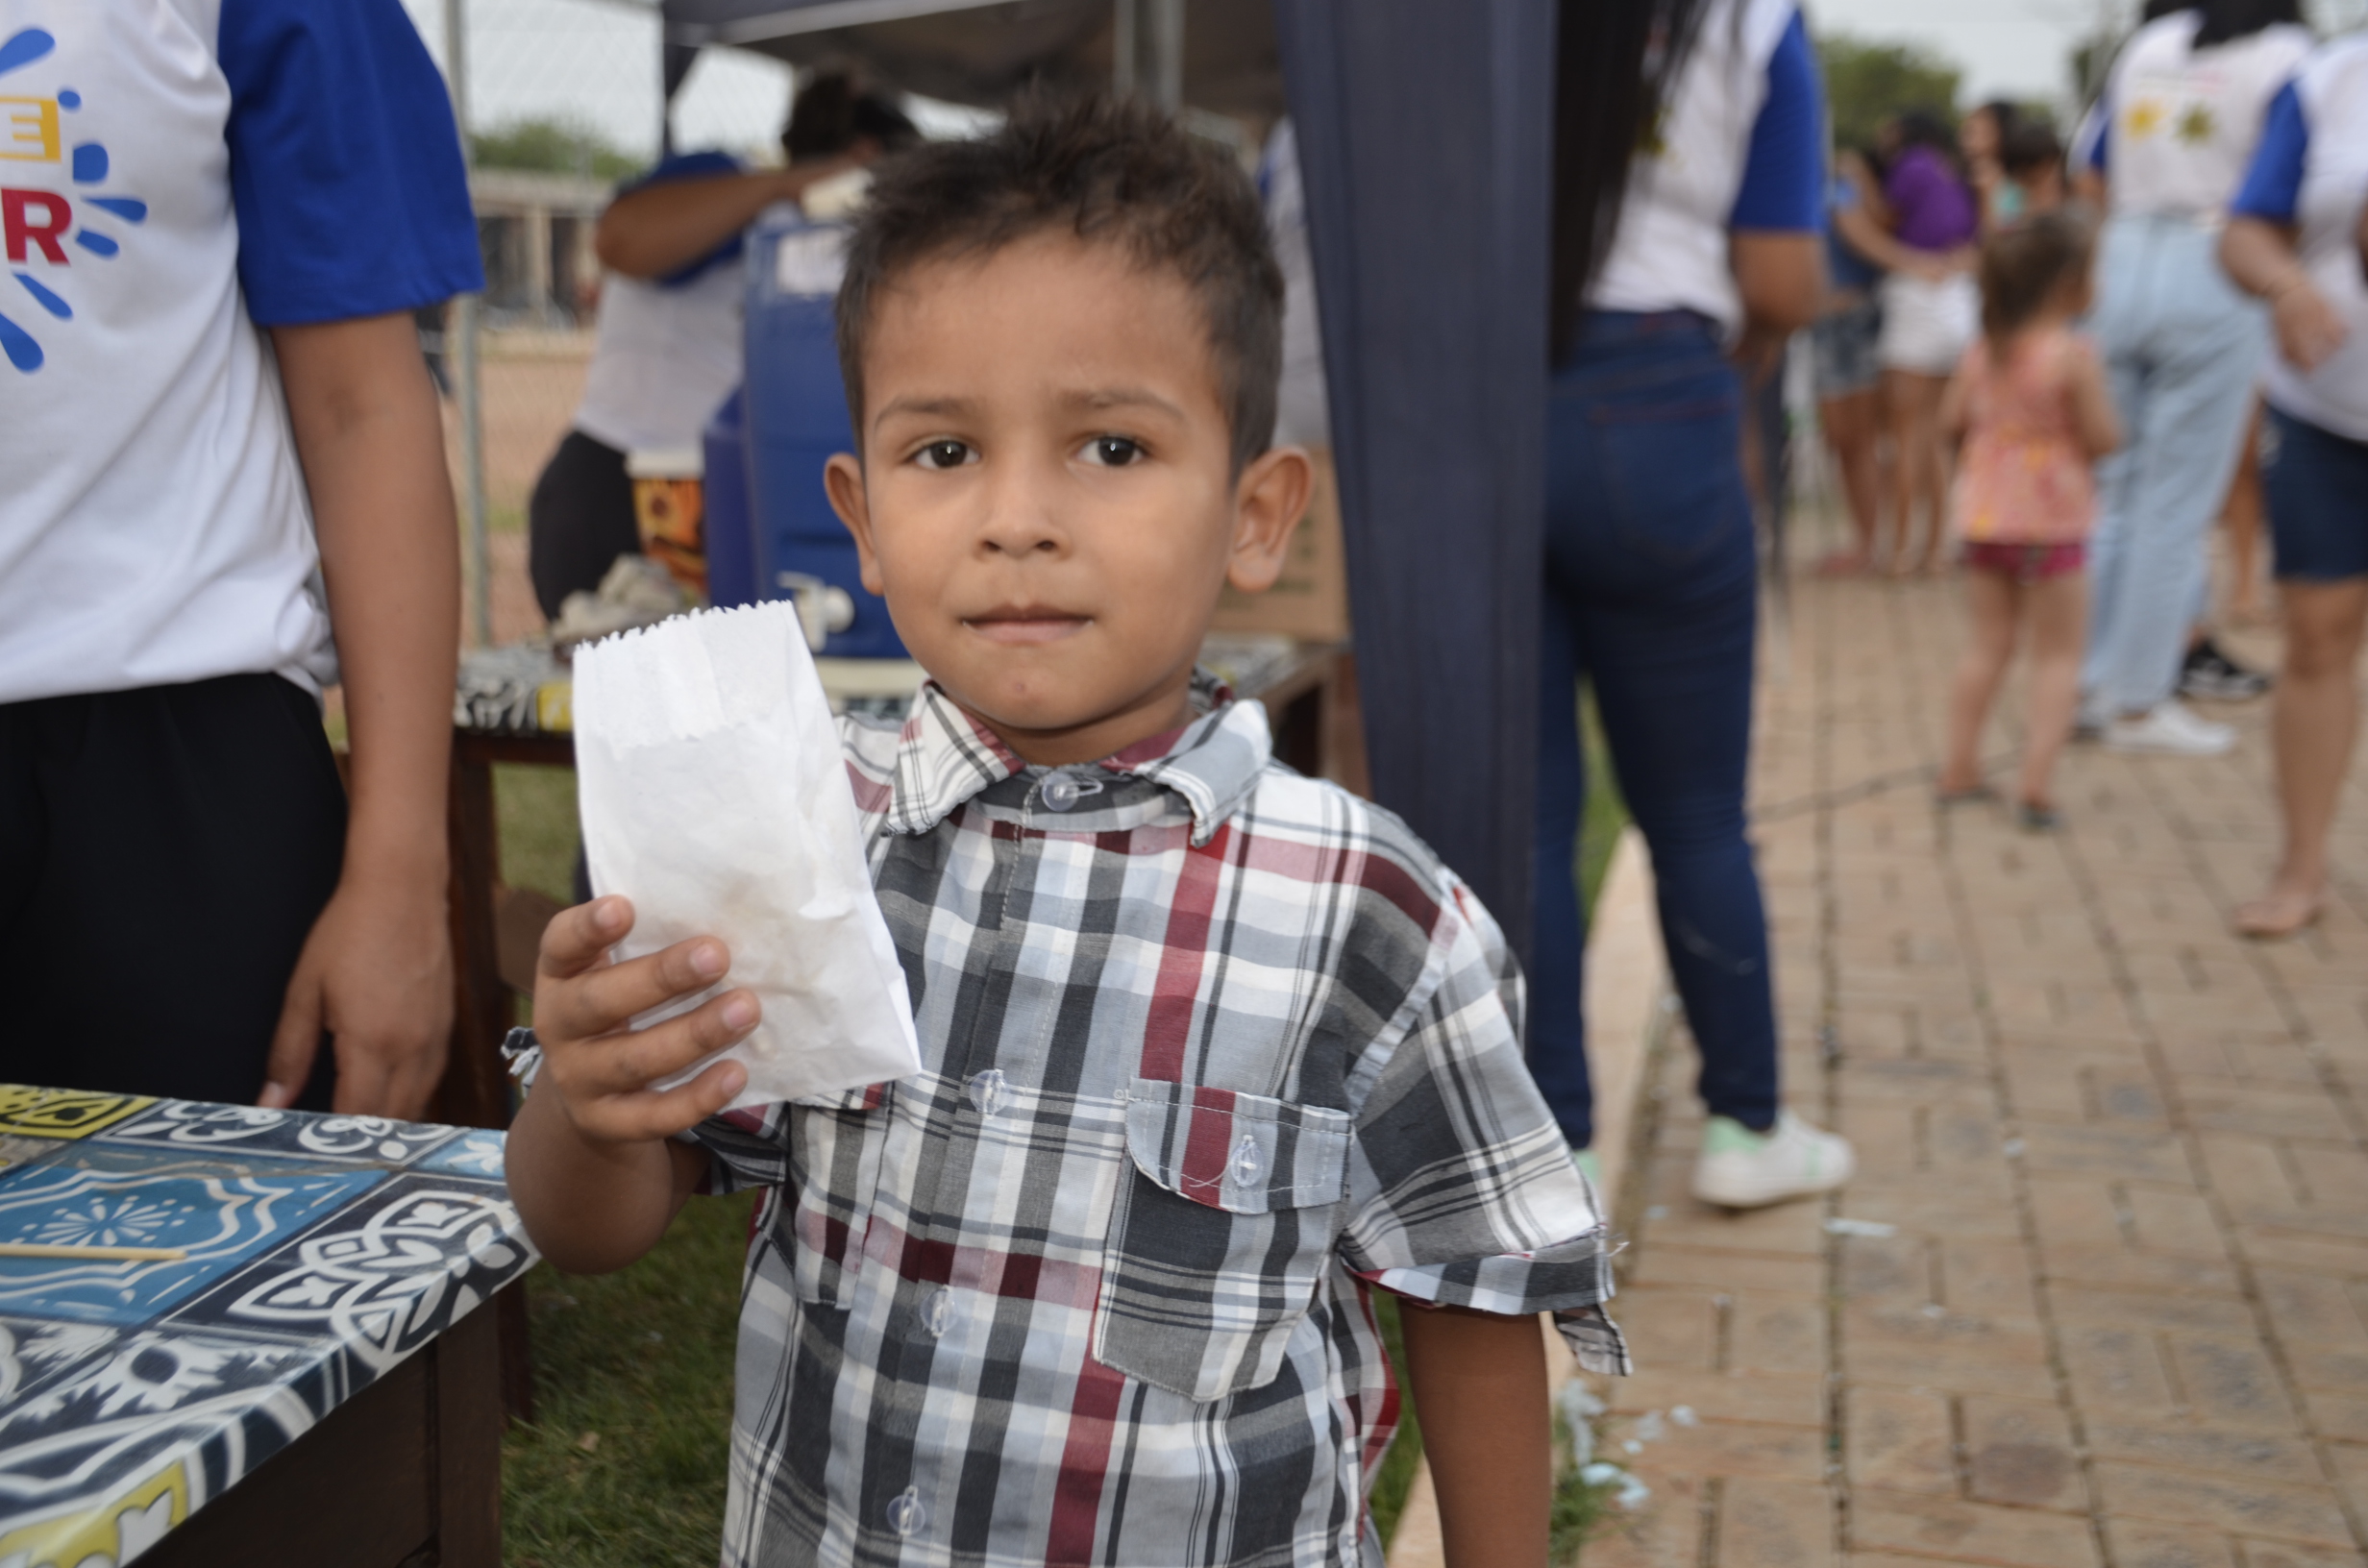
(2012, 48)
(596, 60)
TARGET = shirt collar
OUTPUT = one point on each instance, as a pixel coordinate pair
(944, 757)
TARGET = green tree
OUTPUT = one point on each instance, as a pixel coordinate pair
(552, 147)
(1866, 82)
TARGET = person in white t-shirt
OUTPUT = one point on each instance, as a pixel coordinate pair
(224, 491)
(2298, 238)
(1673, 260)
(669, 336)
(2182, 113)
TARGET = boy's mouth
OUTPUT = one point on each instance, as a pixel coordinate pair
(1024, 625)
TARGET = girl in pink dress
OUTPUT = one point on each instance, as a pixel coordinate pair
(2030, 403)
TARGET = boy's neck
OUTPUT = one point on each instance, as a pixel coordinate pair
(1166, 707)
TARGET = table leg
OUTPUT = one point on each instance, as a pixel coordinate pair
(475, 1089)
(470, 1368)
(475, 1092)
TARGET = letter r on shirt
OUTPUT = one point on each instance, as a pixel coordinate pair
(19, 226)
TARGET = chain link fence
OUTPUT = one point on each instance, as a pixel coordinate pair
(561, 99)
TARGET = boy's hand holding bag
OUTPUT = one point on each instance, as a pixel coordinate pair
(714, 795)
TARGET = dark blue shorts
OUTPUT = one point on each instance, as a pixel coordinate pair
(2316, 485)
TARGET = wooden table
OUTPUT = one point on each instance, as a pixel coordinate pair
(313, 1382)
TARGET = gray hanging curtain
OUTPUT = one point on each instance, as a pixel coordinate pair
(1426, 134)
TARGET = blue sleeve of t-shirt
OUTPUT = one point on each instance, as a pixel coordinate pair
(690, 166)
(345, 165)
(1784, 169)
(2273, 188)
(2092, 143)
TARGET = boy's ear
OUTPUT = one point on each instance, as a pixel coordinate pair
(843, 483)
(1267, 504)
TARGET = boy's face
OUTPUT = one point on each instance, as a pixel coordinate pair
(1046, 495)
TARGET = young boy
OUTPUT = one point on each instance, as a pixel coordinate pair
(1209, 1050)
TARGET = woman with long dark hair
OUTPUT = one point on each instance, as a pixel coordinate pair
(2182, 115)
(1690, 176)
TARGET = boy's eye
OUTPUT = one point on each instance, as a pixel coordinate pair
(942, 454)
(1112, 451)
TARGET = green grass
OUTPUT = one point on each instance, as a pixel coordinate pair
(625, 1460)
(651, 1489)
(1607, 813)
(1579, 1509)
(534, 812)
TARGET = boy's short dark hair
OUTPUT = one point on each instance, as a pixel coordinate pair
(1107, 170)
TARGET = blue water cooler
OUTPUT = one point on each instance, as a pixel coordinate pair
(731, 535)
(794, 418)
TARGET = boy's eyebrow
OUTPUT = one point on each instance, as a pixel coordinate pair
(927, 407)
(1124, 397)
(1097, 398)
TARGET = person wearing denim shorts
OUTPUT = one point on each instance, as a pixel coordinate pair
(1849, 373)
(2298, 238)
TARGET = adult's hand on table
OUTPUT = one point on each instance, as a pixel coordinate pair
(377, 974)
(603, 1069)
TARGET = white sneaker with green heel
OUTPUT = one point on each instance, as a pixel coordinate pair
(1739, 1169)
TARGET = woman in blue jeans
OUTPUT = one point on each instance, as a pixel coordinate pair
(2182, 113)
(1673, 257)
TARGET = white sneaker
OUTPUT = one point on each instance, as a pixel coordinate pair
(1739, 1168)
(2172, 730)
(2089, 720)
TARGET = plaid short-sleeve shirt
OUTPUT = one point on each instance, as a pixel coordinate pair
(1209, 1050)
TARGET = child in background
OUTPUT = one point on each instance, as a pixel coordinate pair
(2030, 401)
(2034, 163)
(1210, 1051)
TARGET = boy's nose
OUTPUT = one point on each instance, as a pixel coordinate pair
(1020, 519)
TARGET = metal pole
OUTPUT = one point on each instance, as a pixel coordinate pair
(1167, 54)
(465, 316)
(1123, 47)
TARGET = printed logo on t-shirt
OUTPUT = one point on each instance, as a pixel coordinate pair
(38, 222)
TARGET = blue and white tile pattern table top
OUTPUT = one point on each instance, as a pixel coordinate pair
(318, 1252)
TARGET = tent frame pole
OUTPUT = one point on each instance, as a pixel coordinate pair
(467, 313)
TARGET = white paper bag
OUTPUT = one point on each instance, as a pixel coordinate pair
(714, 795)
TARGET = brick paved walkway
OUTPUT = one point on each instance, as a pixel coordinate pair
(2100, 1292)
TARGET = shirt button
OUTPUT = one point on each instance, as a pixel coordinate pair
(987, 1091)
(937, 1312)
(1249, 1162)
(906, 1514)
(1060, 792)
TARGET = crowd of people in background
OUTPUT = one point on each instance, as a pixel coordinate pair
(2058, 358)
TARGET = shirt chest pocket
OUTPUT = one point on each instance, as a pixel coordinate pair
(836, 1145)
(1223, 1228)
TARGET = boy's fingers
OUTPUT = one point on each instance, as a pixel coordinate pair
(625, 1064)
(664, 1113)
(602, 1000)
(575, 938)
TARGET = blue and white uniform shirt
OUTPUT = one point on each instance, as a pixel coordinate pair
(174, 175)
(1739, 144)
(2178, 125)
(2312, 173)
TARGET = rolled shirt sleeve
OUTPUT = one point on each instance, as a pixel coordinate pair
(1460, 1190)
